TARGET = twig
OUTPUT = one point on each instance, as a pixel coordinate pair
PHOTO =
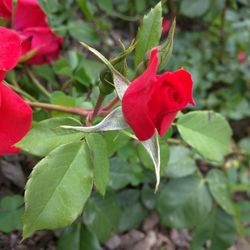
(71, 110)
(91, 116)
(21, 92)
(37, 83)
(111, 104)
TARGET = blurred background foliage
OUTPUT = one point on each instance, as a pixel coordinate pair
(212, 200)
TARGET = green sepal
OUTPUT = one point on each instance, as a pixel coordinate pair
(119, 62)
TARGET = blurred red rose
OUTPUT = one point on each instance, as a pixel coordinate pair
(152, 101)
(10, 50)
(242, 57)
(5, 9)
(46, 43)
(16, 115)
(166, 23)
(31, 23)
(29, 14)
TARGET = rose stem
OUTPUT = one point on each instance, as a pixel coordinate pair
(97, 107)
(71, 110)
(21, 92)
(36, 82)
(111, 104)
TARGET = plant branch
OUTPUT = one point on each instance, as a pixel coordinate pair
(111, 104)
(21, 92)
(36, 82)
(91, 116)
(71, 110)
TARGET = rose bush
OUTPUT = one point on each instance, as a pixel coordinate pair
(30, 22)
(152, 101)
(16, 115)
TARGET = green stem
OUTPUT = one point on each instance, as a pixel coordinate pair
(21, 92)
(96, 108)
(71, 110)
(37, 83)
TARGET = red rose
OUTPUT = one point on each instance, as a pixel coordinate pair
(5, 9)
(10, 50)
(242, 57)
(46, 43)
(166, 23)
(29, 14)
(15, 114)
(152, 101)
(16, 120)
(31, 23)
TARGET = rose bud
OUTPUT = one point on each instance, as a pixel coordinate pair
(16, 115)
(152, 101)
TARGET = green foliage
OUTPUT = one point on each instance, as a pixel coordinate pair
(99, 159)
(180, 163)
(11, 211)
(63, 181)
(218, 186)
(132, 211)
(184, 202)
(48, 135)
(121, 173)
(218, 228)
(165, 49)
(101, 215)
(149, 33)
(194, 8)
(207, 132)
(78, 237)
(193, 194)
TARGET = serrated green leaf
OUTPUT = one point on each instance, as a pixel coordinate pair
(78, 237)
(217, 182)
(184, 202)
(47, 135)
(58, 188)
(207, 132)
(219, 228)
(180, 163)
(149, 33)
(101, 215)
(99, 159)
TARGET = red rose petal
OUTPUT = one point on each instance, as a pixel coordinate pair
(29, 14)
(47, 43)
(10, 50)
(5, 9)
(16, 120)
(2, 75)
(134, 102)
